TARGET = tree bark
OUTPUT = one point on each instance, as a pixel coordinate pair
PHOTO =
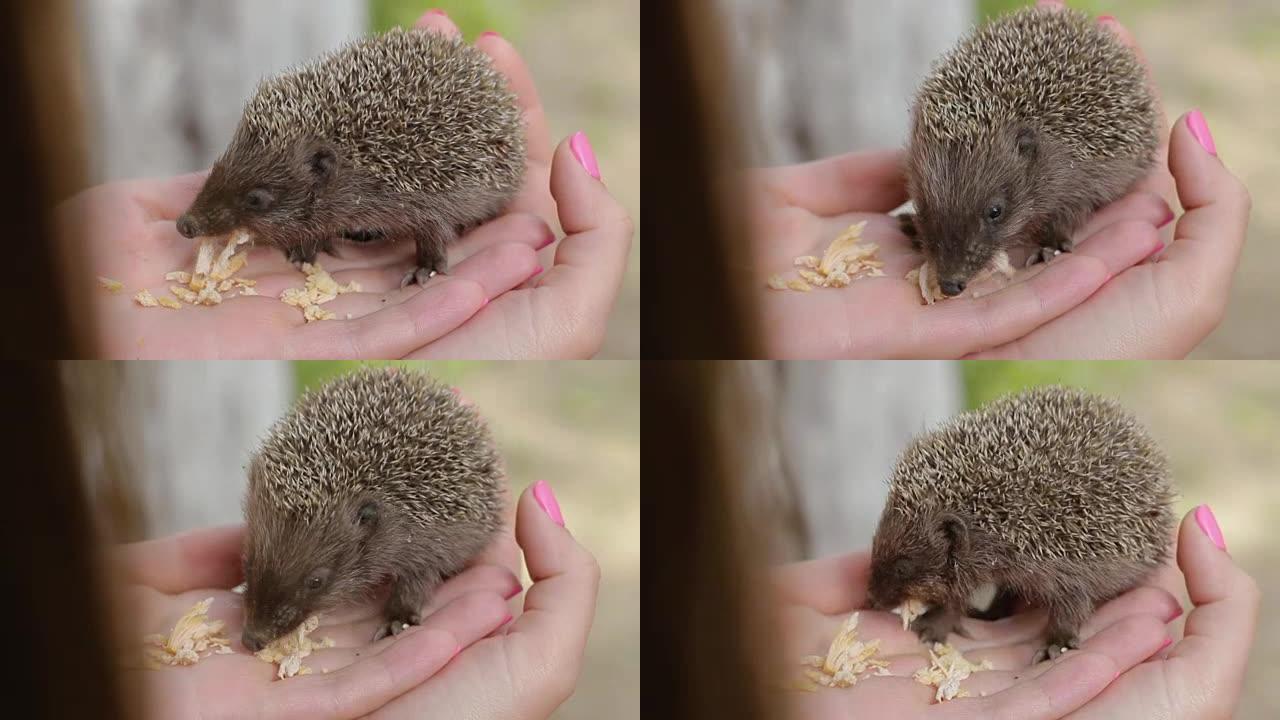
(169, 78)
(823, 78)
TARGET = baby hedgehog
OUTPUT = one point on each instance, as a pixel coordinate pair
(1034, 121)
(380, 475)
(1053, 496)
(409, 134)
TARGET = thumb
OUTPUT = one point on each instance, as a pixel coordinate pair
(551, 634)
(1211, 233)
(1220, 630)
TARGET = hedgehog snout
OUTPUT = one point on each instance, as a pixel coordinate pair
(952, 288)
(253, 639)
(188, 227)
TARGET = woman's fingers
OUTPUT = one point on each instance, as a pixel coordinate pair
(208, 558)
(357, 685)
(549, 636)
(508, 62)
(392, 332)
(438, 21)
(1220, 629)
(831, 585)
(857, 182)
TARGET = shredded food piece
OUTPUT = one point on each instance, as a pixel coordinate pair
(288, 651)
(848, 660)
(947, 668)
(910, 610)
(211, 277)
(319, 289)
(112, 286)
(845, 260)
(146, 299)
(193, 634)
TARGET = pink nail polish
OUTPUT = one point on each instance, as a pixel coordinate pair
(456, 391)
(505, 621)
(489, 34)
(515, 590)
(586, 156)
(1209, 524)
(484, 304)
(1167, 642)
(548, 241)
(456, 650)
(1168, 218)
(1200, 131)
(1177, 613)
(547, 500)
(1155, 250)
(1106, 19)
(536, 273)
(438, 11)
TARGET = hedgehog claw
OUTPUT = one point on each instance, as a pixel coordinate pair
(1044, 254)
(1054, 649)
(419, 276)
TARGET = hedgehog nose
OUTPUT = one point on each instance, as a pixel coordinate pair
(252, 641)
(187, 227)
(951, 288)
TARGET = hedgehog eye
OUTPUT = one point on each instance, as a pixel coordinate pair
(259, 199)
(315, 582)
(995, 212)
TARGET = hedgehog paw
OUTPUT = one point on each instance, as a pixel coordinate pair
(397, 626)
(1055, 649)
(1044, 254)
(419, 276)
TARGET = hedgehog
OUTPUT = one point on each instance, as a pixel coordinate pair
(381, 475)
(1055, 497)
(1018, 134)
(409, 134)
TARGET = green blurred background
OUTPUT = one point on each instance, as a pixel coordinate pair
(577, 426)
(1224, 58)
(1219, 422)
(585, 57)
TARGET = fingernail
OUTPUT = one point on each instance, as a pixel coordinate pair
(1155, 250)
(1115, 677)
(1167, 642)
(489, 33)
(1177, 613)
(1106, 19)
(536, 273)
(548, 241)
(456, 650)
(1200, 130)
(507, 620)
(484, 304)
(586, 156)
(547, 500)
(438, 11)
(515, 590)
(1209, 524)
(1167, 218)
(455, 391)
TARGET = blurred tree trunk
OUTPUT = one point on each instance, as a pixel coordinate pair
(165, 444)
(819, 440)
(169, 78)
(824, 78)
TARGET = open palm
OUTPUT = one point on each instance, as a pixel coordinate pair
(800, 209)
(814, 598)
(167, 577)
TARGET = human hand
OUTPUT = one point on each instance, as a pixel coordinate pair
(1166, 307)
(526, 670)
(131, 238)
(814, 598)
(800, 209)
(165, 578)
(1199, 678)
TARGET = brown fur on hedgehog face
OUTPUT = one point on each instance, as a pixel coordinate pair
(973, 201)
(917, 560)
(296, 567)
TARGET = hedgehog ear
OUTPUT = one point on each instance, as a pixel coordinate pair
(955, 532)
(367, 515)
(321, 160)
(1028, 142)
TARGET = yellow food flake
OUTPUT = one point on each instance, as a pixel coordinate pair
(947, 668)
(910, 609)
(211, 277)
(146, 299)
(169, 302)
(192, 635)
(319, 289)
(288, 650)
(111, 286)
(848, 660)
(846, 259)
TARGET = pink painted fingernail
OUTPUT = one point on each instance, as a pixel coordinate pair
(547, 500)
(507, 620)
(1167, 642)
(586, 156)
(1200, 131)
(488, 34)
(1209, 524)
(515, 590)
(1177, 613)
(536, 273)
(1155, 250)
(1167, 218)
(548, 241)
(484, 304)
(456, 650)
(438, 11)
(1115, 677)
(1106, 19)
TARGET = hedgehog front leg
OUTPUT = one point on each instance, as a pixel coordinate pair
(433, 240)
(404, 607)
(1052, 240)
(1066, 614)
(935, 625)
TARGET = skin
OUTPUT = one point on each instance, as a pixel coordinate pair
(1100, 301)
(497, 303)
(942, 560)
(1020, 186)
(1120, 670)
